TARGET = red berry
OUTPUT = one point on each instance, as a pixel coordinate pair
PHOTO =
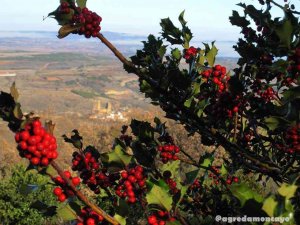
(57, 191)
(236, 179)
(235, 109)
(67, 174)
(138, 175)
(62, 197)
(23, 145)
(90, 221)
(24, 135)
(131, 199)
(36, 123)
(35, 161)
(218, 67)
(152, 219)
(32, 140)
(45, 162)
(76, 181)
(124, 174)
(17, 137)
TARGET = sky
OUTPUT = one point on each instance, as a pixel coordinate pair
(207, 19)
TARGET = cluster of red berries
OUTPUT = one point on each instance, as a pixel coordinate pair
(89, 168)
(225, 105)
(230, 179)
(196, 185)
(63, 191)
(268, 94)
(190, 53)
(292, 139)
(89, 217)
(90, 22)
(36, 144)
(160, 218)
(168, 152)
(172, 185)
(216, 75)
(84, 161)
(132, 182)
(64, 8)
(215, 174)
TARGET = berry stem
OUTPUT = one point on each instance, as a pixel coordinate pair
(82, 197)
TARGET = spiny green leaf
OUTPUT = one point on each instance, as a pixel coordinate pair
(67, 29)
(244, 193)
(274, 122)
(211, 55)
(287, 190)
(188, 102)
(171, 33)
(181, 18)
(238, 20)
(66, 213)
(81, 3)
(117, 156)
(14, 91)
(176, 54)
(269, 206)
(191, 176)
(75, 139)
(17, 111)
(120, 219)
(284, 32)
(143, 130)
(159, 196)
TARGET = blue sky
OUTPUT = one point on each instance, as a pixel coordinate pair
(208, 19)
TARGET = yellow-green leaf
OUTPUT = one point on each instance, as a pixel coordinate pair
(270, 205)
(287, 191)
(161, 197)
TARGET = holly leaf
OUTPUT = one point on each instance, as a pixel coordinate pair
(159, 196)
(14, 91)
(67, 29)
(117, 157)
(120, 219)
(269, 206)
(171, 33)
(17, 111)
(273, 122)
(238, 20)
(244, 193)
(26, 189)
(81, 3)
(143, 130)
(191, 176)
(287, 191)
(66, 213)
(211, 55)
(75, 139)
(284, 31)
(176, 54)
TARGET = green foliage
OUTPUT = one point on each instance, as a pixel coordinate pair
(19, 207)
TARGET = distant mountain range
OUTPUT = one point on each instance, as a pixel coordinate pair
(26, 40)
